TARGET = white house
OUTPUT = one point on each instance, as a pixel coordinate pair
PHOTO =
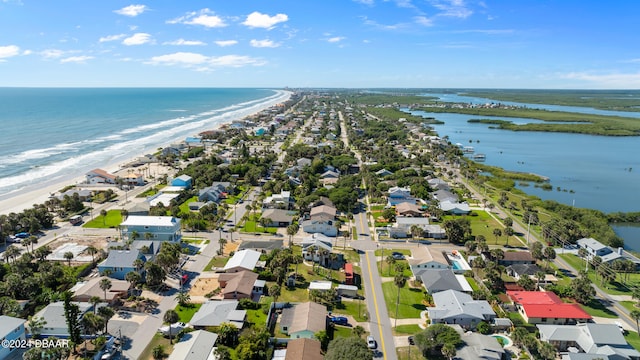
(11, 328)
(56, 323)
(195, 345)
(317, 248)
(99, 176)
(242, 260)
(454, 307)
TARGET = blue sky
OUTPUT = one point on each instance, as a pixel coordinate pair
(570, 44)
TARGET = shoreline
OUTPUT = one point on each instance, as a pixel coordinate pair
(37, 194)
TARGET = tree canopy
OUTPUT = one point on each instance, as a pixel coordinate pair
(353, 348)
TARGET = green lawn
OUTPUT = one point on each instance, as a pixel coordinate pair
(484, 224)
(472, 283)
(342, 331)
(409, 353)
(184, 207)
(595, 308)
(251, 226)
(633, 339)
(355, 308)
(187, 312)
(256, 317)
(157, 339)
(387, 270)
(629, 305)
(410, 304)
(112, 220)
(407, 329)
(216, 261)
(614, 288)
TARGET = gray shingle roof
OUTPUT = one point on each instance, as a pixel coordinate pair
(121, 258)
(8, 324)
(213, 313)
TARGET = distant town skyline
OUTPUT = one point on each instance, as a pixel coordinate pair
(537, 44)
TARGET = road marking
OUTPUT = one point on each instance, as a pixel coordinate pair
(375, 303)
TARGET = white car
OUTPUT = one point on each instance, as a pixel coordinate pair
(371, 342)
(172, 330)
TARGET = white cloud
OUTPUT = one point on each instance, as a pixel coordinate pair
(365, 2)
(201, 62)
(259, 20)
(112, 37)
(423, 20)
(263, 43)
(336, 39)
(132, 10)
(608, 81)
(9, 51)
(452, 8)
(52, 53)
(27, 52)
(186, 58)
(137, 39)
(76, 59)
(224, 43)
(185, 42)
(204, 17)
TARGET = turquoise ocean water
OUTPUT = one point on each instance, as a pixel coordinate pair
(53, 134)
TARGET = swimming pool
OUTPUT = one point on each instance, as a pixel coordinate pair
(503, 340)
(456, 265)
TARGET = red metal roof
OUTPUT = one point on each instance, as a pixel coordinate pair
(546, 304)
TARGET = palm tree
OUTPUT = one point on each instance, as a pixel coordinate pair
(358, 331)
(133, 278)
(549, 254)
(68, 256)
(158, 353)
(274, 291)
(92, 250)
(390, 261)
(11, 252)
(95, 300)
(540, 275)
(222, 242)
(635, 315)
(170, 317)
(508, 231)
(32, 241)
(106, 313)
(105, 284)
(228, 334)
(183, 298)
(497, 233)
(292, 230)
(399, 280)
(103, 213)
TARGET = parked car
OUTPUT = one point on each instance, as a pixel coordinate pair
(371, 342)
(22, 235)
(172, 330)
(397, 256)
(340, 320)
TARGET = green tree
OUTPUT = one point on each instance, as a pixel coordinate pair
(483, 327)
(635, 315)
(105, 284)
(581, 289)
(158, 352)
(103, 213)
(170, 317)
(527, 283)
(95, 300)
(324, 339)
(183, 298)
(497, 233)
(546, 350)
(68, 256)
(358, 331)
(106, 313)
(431, 340)
(549, 254)
(228, 334)
(72, 318)
(36, 324)
(274, 291)
(449, 351)
(352, 348)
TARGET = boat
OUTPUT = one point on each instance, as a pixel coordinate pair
(468, 150)
(479, 157)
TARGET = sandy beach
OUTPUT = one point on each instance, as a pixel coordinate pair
(27, 198)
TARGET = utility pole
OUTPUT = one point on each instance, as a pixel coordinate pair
(528, 227)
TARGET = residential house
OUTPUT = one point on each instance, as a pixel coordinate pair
(195, 345)
(85, 290)
(304, 320)
(403, 225)
(545, 307)
(83, 195)
(11, 329)
(329, 174)
(159, 228)
(454, 307)
(183, 181)
(216, 312)
(398, 195)
(242, 260)
(261, 246)
(479, 347)
(445, 195)
(438, 184)
(133, 179)
(304, 349)
(120, 262)
(216, 192)
(408, 210)
(174, 149)
(520, 270)
(604, 341)
(321, 220)
(516, 257)
(55, 322)
(436, 280)
(317, 248)
(606, 253)
(99, 176)
(423, 259)
(302, 162)
(278, 217)
(455, 208)
(383, 173)
(278, 201)
(139, 208)
(240, 285)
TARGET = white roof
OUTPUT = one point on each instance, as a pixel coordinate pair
(348, 287)
(466, 287)
(244, 258)
(163, 198)
(136, 220)
(8, 324)
(320, 285)
(195, 345)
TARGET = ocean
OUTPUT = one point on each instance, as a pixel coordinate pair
(55, 134)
